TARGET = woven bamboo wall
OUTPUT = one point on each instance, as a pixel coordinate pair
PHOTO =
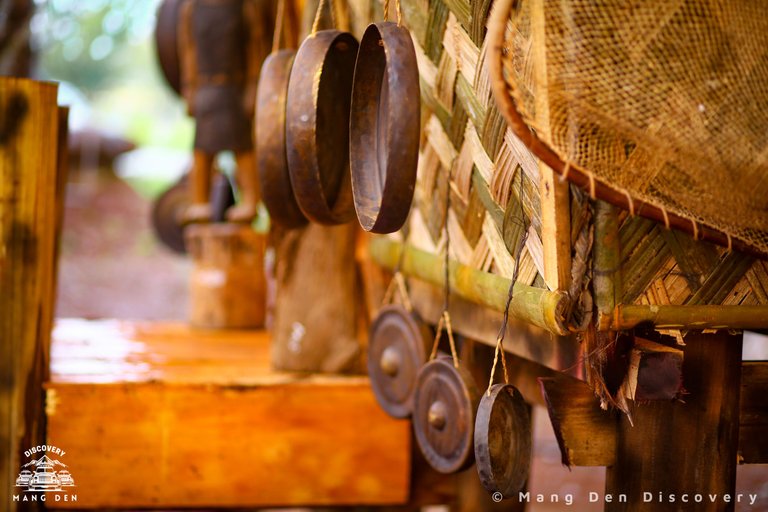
(465, 137)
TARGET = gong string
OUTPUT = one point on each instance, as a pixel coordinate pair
(278, 25)
(499, 350)
(319, 13)
(398, 11)
(398, 280)
(445, 317)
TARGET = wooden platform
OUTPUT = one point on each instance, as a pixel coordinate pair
(159, 415)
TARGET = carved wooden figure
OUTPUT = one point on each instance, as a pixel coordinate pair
(211, 52)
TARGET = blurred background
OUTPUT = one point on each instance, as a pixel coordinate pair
(129, 141)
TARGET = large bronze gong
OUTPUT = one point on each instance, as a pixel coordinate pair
(503, 440)
(317, 126)
(397, 349)
(444, 414)
(384, 127)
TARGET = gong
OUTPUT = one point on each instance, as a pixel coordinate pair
(503, 440)
(384, 127)
(276, 189)
(317, 126)
(397, 349)
(444, 415)
(167, 42)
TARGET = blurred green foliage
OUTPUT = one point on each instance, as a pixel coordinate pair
(105, 48)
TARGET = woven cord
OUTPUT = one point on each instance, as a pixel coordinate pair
(499, 350)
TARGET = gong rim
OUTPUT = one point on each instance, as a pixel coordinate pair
(317, 126)
(397, 349)
(446, 445)
(503, 440)
(277, 191)
(166, 42)
(384, 141)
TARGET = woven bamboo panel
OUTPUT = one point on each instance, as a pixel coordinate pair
(494, 179)
(662, 266)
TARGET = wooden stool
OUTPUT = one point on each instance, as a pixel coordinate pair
(227, 286)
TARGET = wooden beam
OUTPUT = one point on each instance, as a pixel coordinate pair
(29, 135)
(538, 306)
(683, 447)
(481, 324)
(753, 418)
(197, 419)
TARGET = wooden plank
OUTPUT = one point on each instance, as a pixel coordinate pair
(482, 324)
(585, 433)
(163, 416)
(28, 177)
(753, 418)
(689, 447)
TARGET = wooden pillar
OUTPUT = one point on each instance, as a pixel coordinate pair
(685, 447)
(29, 157)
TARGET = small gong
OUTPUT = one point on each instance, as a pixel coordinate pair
(444, 415)
(397, 349)
(503, 440)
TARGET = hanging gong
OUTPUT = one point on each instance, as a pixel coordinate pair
(384, 127)
(444, 414)
(317, 126)
(503, 440)
(167, 42)
(276, 189)
(397, 349)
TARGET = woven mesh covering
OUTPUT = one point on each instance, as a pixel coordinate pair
(664, 102)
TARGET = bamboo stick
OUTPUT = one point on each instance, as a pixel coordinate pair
(607, 262)
(627, 316)
(537, 306)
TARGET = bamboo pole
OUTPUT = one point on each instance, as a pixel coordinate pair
(627, 316)
(607, 262)
(533, 305)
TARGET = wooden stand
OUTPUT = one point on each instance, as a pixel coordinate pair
(227, 287)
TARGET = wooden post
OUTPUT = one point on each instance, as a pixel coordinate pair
(689, 447)
(29, 137)
(227, 286)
